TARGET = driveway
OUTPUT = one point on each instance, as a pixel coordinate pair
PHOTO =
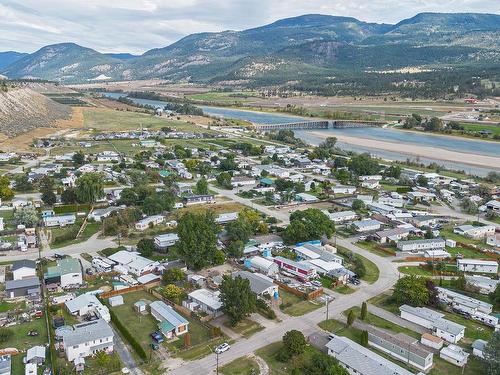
(124, 353)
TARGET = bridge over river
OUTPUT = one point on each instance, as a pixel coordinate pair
(319, 124)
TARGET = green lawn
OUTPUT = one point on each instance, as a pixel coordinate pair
(246, 328)
(294, 305)
(382, 323)
(8, 306)
(415, 270)
(372, 271)
(240, 366)
(375, 248)
(385, 301)
(89, 231)
(473, 329)
(268, 354)
(344, 289)
(341, 329)
(139, 325)
(447, 233)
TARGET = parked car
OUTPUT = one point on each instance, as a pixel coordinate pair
(158, 337)
(222, 348)
(317, 283)
(154, 346)
(362, 238)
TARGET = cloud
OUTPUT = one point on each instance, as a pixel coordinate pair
(138, 25)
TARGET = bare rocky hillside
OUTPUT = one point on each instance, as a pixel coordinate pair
(22, 109)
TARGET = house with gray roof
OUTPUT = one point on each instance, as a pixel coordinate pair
(360, 360)
(87, 339)
(171, 323)
(29, 287)
(260, 284)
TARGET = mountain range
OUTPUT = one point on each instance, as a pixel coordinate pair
(290, 50)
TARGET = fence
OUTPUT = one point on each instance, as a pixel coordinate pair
(122, 291)
(311, 295)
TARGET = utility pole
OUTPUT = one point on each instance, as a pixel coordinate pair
(217, 358)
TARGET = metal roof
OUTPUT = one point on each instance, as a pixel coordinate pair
(258, 282)
(168, 313)
(86, 332)
(23, 283)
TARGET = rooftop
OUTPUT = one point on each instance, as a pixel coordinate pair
(86, 332)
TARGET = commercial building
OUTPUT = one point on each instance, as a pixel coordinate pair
(23, 269)
(300, 269)
(262, 265)
(87, 339)
(357, 359)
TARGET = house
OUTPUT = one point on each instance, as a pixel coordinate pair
(493, 240)
(370, 184)
(260, 284)
(392, 235)
(131, 261)
(5, 364)
(357, 359)
(263, 265)
(433, 320)
(493, 205)
(422, 245)
(339, 189)
(483, 284)
(225, 218)
(341, 216)
(198, 199)
(431, 341)
(455, 355)
(462, 302)
(67, 273)
(101, 213)
(166, 240)
(171, 323)
(400, 346)
(36, 355)
(306, 198)
(436, 254)
(149, 222)
(421, 221)
(268, 241)
(390, 201)
(87, 339)
(322, 267)
(383, 209)
(308, 251)
(59, 221)
(474, 232)
(477, 266)
(28, 287)
(478, 347)
(85, 304)
(30, 369)
(23, 269)
(242, 181)
(102, 264)
(115, 301)
(204, 300)
(366, 225)
(108, 156)
(302, 270)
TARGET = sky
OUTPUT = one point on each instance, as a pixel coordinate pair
(136, 26)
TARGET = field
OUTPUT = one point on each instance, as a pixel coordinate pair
(375, 248)
(246, 328)
(223, 97)
(495, 129)
(294, 305)
(240, 366)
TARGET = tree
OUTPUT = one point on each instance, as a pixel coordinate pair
(173, 293)
(197, 243)
(224, 180)
(152, 205)
(364, 164)
(351, 317)
(238, 300)
(359, 267)
(128, 197)
(146, 247)
(358, 204)
(5, 190)
(364, 338)
(393, 171)
(235, 249)
(27, 216)
(433, 293)
(323, 364)
(68, 196)
(173, 275)
(89, 187)
(492, 355)
(434, 124)
(239, 230)
(294, 342)
(252, 217)
(468, 206)
(411, 290)
(22, 183)
(202, 186)
(422, 180)
(308, 225)
(47, 189)
(495, 296)
(78, 158)
(364, 311)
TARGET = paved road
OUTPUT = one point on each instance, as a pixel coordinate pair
(92, 245)
(307, 323)
(387, 315)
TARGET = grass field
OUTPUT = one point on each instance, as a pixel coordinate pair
(294, 305)
(372, 271)
(246, 328)
(268, 354)
(240, 366)
(385, 301)
(414, 270)
(344, 289)
(223, 97)
(373, 247)
(495, 129)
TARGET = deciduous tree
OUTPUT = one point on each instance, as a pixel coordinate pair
(238, 300)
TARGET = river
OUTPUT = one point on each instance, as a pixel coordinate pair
(387, 143)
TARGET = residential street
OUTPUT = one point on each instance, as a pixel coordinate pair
(307, 324)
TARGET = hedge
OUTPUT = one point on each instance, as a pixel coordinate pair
(70, 208)
(128, 336)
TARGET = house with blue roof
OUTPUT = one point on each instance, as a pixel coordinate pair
(171, 323)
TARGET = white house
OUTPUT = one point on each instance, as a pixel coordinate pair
(87, 303)
(204, 300)
(341, 216)
(149, 222)
(102, 264)
(477, 266)
(433, 320)
(59, 221)
(225, 218)
(366, 225)
(100, 213)
(484, 284)
(394, 234)
(455, 355)
(87, 339)
(339, 189)
(23, 269)
(166, 240)
(422, 245)
(478, 347)
(431, 341)
(133, 262)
